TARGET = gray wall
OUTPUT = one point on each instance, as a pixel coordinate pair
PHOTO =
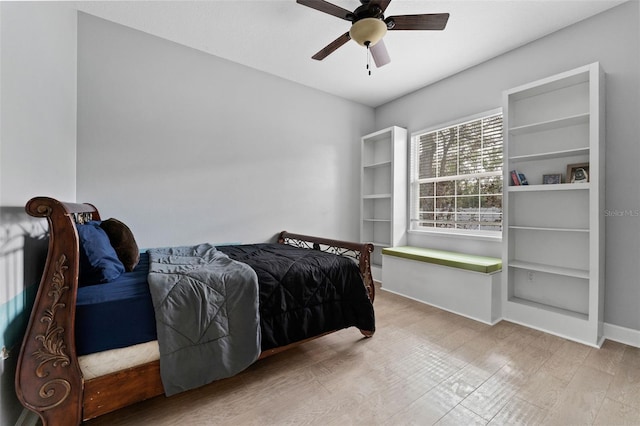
(186, 147)
(613, 39)
(38, 82)
(37, 157)
(150, 107)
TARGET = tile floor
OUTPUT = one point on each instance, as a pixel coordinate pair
(423, 366)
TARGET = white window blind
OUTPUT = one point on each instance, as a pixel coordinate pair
(456, 177)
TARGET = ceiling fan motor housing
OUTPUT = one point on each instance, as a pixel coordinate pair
(368, 11)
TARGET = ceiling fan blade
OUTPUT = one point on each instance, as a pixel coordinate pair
(428, 21)
(332, 47)
(326, 7)
(380, 54)
(382, 4)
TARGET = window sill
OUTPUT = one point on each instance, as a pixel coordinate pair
(461, 235)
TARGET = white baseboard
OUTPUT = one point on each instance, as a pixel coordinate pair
(624, 335)
(27, 418)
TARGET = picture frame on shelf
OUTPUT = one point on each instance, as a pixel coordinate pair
(578, 173)
(552, 179)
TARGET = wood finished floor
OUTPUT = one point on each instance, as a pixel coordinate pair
(423, 366)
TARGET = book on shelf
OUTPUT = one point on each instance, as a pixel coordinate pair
(523, 180)
(515, 180)
(518, 178)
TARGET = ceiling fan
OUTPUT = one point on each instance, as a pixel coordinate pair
(369, 26)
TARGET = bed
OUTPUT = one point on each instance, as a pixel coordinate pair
(63, 376)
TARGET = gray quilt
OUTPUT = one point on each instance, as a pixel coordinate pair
(207, 315)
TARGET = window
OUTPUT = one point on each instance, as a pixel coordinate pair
(456, 177)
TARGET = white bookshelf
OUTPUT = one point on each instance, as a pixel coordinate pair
(553, 234)
(383, 203)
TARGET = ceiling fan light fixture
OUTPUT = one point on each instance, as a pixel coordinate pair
(368, 31)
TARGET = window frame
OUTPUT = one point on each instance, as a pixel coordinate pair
(414, 182)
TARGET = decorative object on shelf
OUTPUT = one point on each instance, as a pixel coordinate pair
(552, 179)
(518, 178)
(523, 179)
(578, 173)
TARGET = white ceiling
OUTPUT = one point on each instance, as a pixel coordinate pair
(280, 36)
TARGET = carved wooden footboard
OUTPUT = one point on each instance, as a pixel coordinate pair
(48, 378)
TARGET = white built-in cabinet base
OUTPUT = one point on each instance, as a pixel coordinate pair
(475, 295)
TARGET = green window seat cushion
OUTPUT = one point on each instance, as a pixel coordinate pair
(469, 262)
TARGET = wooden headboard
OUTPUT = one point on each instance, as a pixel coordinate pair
(48, 377)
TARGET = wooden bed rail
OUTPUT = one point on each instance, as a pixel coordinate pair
(48, 377)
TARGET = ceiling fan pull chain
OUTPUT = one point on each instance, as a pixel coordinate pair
(368, 57)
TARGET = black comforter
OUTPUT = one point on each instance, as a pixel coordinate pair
(304, 292)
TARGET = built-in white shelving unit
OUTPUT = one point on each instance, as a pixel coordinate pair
(383, 204)
(553, 234)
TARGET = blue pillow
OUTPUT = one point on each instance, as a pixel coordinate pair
(99, 262)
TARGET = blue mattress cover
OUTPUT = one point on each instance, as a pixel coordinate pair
(116, 314)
